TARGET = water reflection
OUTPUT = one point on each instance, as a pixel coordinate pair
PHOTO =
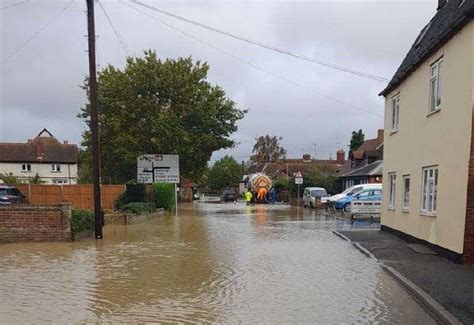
(223, 263)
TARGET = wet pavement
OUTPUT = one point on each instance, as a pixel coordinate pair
(220, 263)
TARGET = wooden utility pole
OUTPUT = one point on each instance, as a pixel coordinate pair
(94, 120)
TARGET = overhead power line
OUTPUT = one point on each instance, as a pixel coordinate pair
(14, 5)
(267, 46)
(122, 42)
(252, 64)
(42, 28)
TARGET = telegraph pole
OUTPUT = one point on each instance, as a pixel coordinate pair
(94, 119)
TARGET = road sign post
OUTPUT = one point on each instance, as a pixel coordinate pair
(157, 168)
(298, 181)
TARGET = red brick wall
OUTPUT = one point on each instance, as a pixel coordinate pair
(35, 223)
(468, 253)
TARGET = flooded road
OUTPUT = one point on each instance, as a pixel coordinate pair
(220, 263)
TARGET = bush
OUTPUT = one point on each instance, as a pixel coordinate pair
(139, 207)
(135, 192)
(164, 195)
(81, 220)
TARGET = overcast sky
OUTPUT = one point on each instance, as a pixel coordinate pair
(40, 83)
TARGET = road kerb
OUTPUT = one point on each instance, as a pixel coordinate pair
(435, 309)
(441, 315)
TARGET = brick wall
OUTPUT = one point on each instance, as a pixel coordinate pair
(35, 223)
(468, 253)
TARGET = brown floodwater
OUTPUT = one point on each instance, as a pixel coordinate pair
(214, 263)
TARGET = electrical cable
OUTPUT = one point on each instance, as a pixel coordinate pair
(253, 65)
(267, 46)
(18, 49)
(14, 5)
(122, 42)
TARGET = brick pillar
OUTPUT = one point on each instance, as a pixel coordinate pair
(66, 211)
(468, 252)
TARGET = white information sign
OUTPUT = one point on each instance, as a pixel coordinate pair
(158, 169)
(366, 207)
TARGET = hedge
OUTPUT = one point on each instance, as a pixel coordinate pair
(164, 195)
(81, 220)
(139, 207)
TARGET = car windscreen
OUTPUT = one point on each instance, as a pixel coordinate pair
(319, 193)
(355, 190)
(3, 191)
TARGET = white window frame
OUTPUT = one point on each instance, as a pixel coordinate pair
(395, 116)
(429, 190)
(26, 167)
(56, 168)
(392, 189)
(406, 194)
(435, 86)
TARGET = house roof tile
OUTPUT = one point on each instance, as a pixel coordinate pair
(443, 26)
(40, 149)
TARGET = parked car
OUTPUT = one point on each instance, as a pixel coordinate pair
(364, 195)
(311, 193)
(11, 195)
(229, 195)
(351, 191)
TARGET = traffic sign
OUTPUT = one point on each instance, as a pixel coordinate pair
(298, 178)
(157, 168)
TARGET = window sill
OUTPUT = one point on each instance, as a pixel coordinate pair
(427, 214)
(434, 112)
(56, 172)
(405, 210)
(393, 132)
(26, 171)
(391, 208)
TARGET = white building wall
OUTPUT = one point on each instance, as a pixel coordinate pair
(441, 139)
(68, 173)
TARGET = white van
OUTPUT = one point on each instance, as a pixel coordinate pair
(353, 190)
(311, 193)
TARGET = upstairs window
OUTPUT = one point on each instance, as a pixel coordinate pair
(56, 168)
(395, 112)
(26, 167)
(435, 86)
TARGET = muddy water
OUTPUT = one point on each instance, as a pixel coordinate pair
(220, 263)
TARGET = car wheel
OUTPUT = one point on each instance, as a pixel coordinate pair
(347, 207)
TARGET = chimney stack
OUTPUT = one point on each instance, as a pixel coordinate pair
(380, 136)
(441, 4)
(341, 156)
(306, 157)
(66, 142)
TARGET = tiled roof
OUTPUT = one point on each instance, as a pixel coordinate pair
(373, 169)
(289, 165)
(40, 149)
(445, 24)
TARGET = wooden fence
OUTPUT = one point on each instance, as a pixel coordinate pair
(80, 196)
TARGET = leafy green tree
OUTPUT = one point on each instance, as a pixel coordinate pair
(9, 179)
(155, 106)
(325, 176)
(225, 172)
(269, 147)
(356, 141)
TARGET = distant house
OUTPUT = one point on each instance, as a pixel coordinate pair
(364, 164)
(286, 168)
(53, 161)
(428, 168)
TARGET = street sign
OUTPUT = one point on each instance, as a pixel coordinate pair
(158, 169)
(298, 178)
